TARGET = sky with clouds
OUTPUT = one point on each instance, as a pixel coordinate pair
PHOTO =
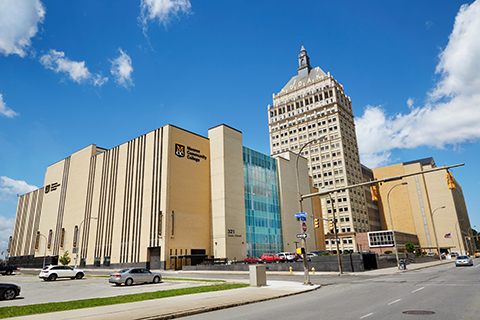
(72, 74)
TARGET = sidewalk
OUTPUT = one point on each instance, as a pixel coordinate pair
(169, 308)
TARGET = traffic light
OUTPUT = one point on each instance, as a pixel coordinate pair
(317, 223)
(450, 180)
(330, 225)
(373, 190)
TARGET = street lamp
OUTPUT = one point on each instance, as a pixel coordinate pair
(79, 228)
(45, 252)
(300, 207)
(435, 232)
(458, 239)
(391, 221)
(470, 235)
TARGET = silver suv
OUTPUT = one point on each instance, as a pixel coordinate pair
(51, 273)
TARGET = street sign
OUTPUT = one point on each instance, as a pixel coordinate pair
(300, 215)
(304, 226)
(303, 218)
(303, 235)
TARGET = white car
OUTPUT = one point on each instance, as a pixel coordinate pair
(51, 273)
(288, 256)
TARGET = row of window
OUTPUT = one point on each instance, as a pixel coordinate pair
(303, 119)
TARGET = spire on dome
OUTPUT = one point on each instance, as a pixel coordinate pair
(303, 63)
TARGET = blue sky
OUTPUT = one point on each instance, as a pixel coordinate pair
(82, 72)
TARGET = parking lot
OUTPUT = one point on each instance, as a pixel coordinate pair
(35, 290)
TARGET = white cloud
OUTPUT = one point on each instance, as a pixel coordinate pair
(6, 111)
(56, 61)
(162, 10)
(19, 21)
(122, 70)
(6, 230)
(98, 80)
(451, 115)
(10, 186)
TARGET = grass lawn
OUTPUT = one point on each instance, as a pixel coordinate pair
(16, 311)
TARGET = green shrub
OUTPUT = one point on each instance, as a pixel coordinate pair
(324, 254)
(388, 252)
(410, 247)
(65, 259)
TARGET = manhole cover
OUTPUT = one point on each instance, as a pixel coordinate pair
(418, 312)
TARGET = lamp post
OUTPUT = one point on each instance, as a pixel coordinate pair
(45, 251)
(458, 238)
(470, 235)
(79, 228)
(391, 221)
(300, 207)
(435, 232)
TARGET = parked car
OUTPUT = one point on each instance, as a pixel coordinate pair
(288, 256)
(51, 273)
(251, 260)
(477, 254)
(463, 261)
(453, 254)
(271, 257)
(7, 270)
(134, 275)
(9, 291)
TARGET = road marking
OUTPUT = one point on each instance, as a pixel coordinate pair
(367, 315)
(418, 289)
(394, 301)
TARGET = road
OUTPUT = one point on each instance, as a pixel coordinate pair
(442, 292)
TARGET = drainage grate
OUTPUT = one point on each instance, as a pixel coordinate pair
(418, 312)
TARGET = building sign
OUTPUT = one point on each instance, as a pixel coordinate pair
(231, 234)
(179, 150)
(191, 153)
(51, 187)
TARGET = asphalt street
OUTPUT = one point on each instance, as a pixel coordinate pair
(441, 292)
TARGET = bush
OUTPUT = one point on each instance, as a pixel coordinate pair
(65, 259)
(410, 247)
(324, 254)
(388, 252)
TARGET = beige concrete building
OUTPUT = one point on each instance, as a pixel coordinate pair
(313, 105)
(165, 199)
(418, 205)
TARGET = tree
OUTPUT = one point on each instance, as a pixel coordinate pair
(65, 259)
(410, 247)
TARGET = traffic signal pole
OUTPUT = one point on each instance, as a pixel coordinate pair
(337, 240)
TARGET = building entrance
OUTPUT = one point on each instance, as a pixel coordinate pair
(154, 261)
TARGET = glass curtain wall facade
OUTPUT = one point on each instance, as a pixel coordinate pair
(262, 210)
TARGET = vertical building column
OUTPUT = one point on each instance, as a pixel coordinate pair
(227, 193)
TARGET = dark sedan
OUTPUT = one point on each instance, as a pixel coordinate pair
(9, 291)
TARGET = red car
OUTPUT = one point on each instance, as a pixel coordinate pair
(271, 257)
(251, 260)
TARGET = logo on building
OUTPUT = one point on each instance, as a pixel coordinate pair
(179, 150)
(51, 187)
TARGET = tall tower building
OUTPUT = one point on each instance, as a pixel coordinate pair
(311, 105)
